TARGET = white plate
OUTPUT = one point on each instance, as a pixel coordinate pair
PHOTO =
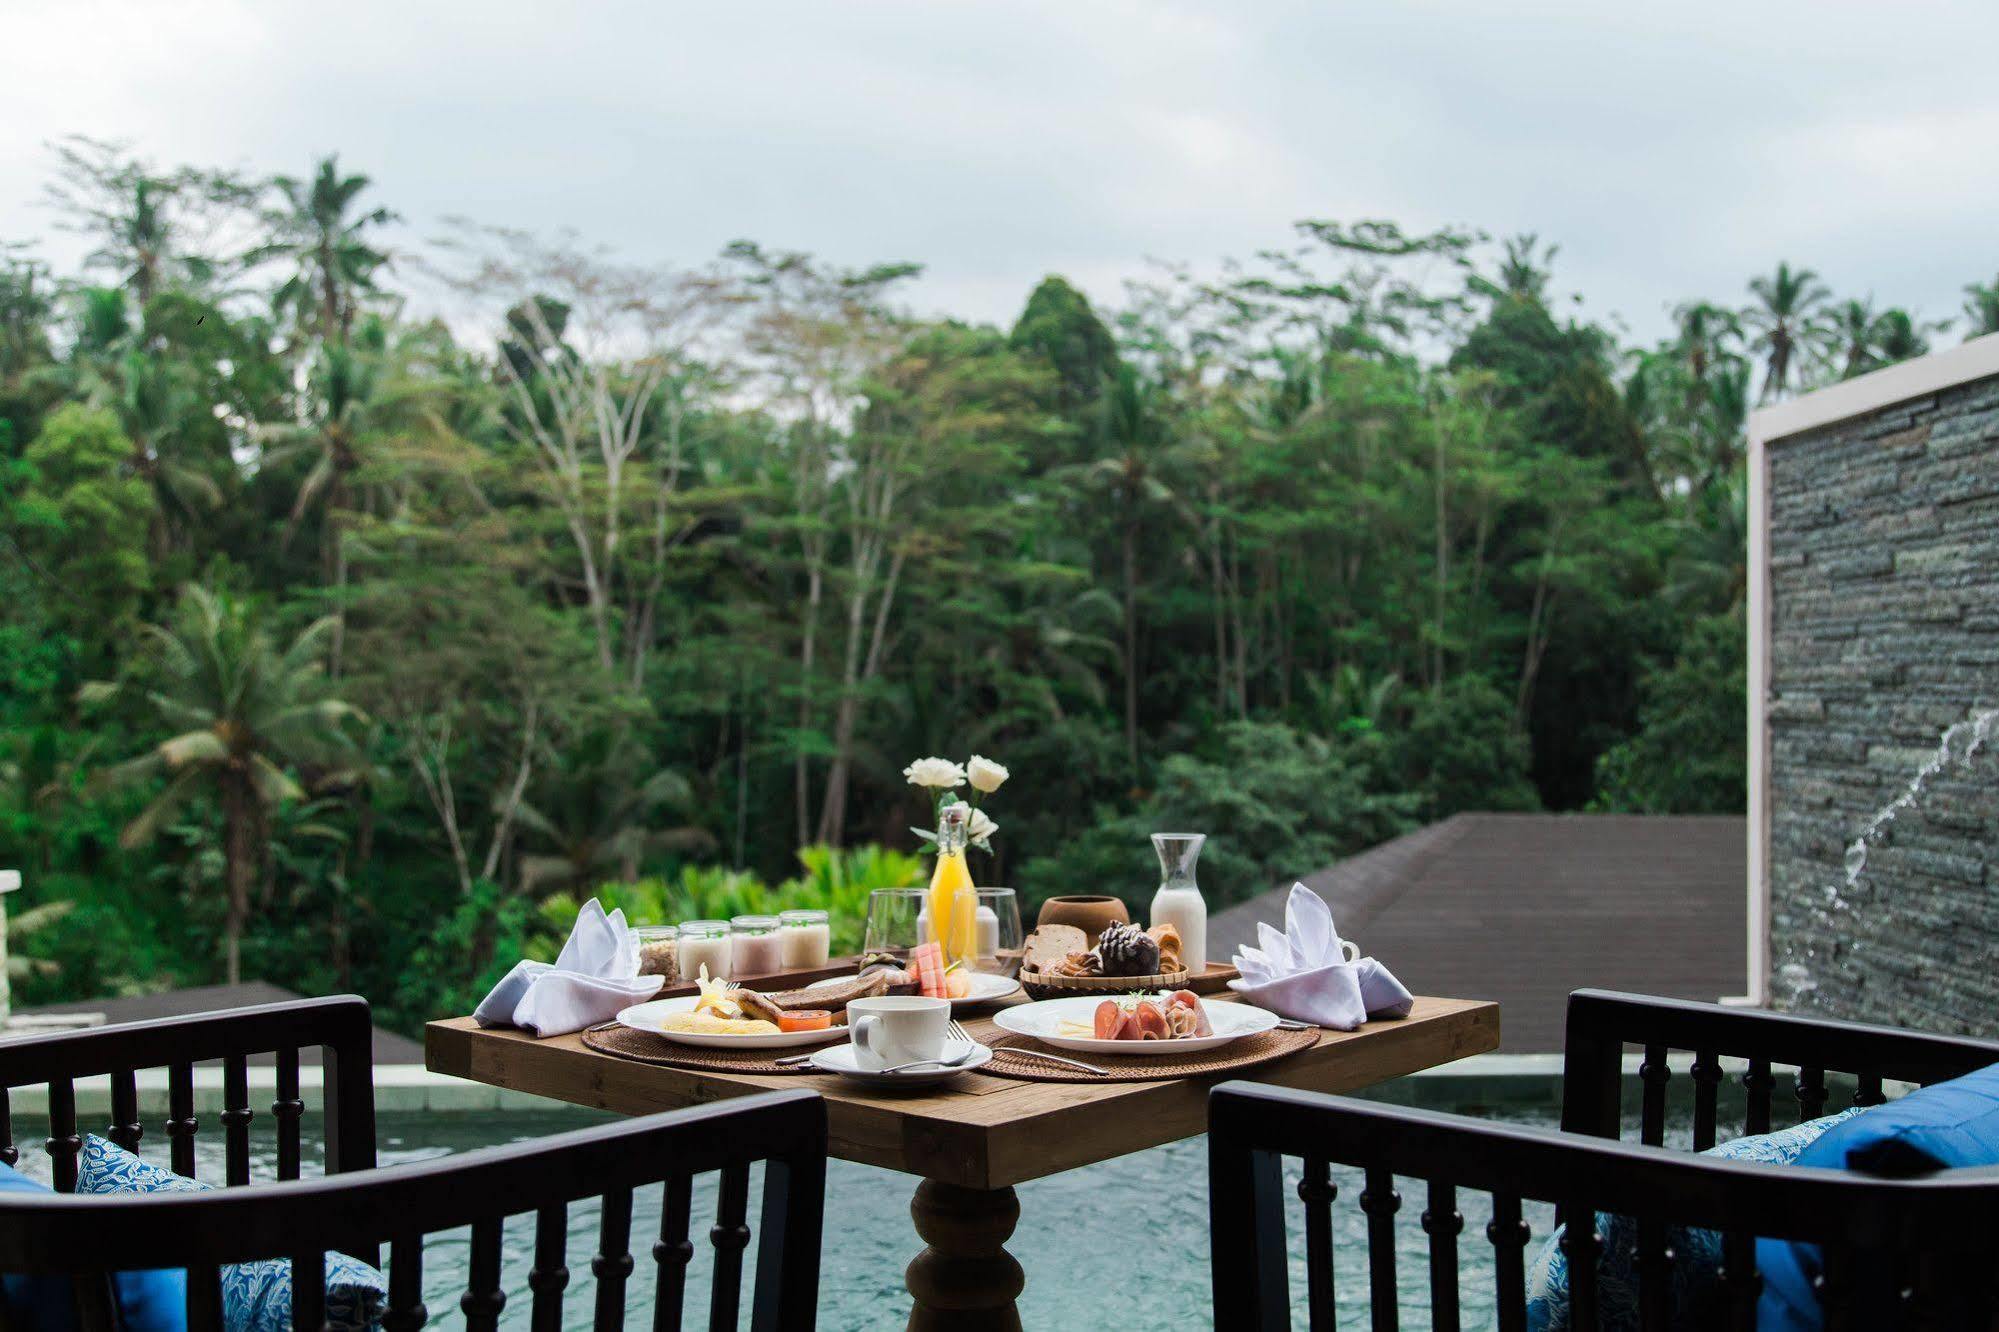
(1043, 1020)
(985, 988)
(840, 1059)
(646, 1017)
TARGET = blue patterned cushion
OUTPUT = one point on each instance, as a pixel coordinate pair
(257, 1296)
(147, 1301)
(1696, 1270)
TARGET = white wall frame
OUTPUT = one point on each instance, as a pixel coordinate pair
(1977, 359)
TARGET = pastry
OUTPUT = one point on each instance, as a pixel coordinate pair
(1051, 945)
(1170, 947)
(1124, 949)
(834, 998)
(710, 1023)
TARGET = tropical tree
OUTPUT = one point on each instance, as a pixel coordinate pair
(1785, 317)
(593, 817)
(243, 711)
(325, 241)
(1981, 308)
(151, 227)
(1708, 337)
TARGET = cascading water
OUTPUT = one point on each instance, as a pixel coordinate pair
(1956, 747)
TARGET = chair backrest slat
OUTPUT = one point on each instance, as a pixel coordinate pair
(673, 1251)
(1867, 1091)
(1581, 1244)
(127, 1129)
(1508, 1233)
(236, 1116)
(484, 1297)
(308, 1292)
(1740, 1284)
(549, 1276)
(1706, 1074)
(1653, 1074)
(64, 1144)
(1757, 1082)
(181, 1123)
(204, 1297)
(1655, 1276)
(287, 1109)
(1380, 1201)
(9, 1153)
(730, 1235)
(1318, 1192)
(1811, 1093)
(405, 1311)
(613, 1264)
(1442, 1222)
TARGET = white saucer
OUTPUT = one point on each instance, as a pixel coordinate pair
(986, 988)
(840, 1059)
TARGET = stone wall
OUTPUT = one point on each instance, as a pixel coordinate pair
(1884, 662)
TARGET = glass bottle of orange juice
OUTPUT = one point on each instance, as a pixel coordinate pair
(953, 902)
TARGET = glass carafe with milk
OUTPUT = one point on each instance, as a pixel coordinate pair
(1178, 902)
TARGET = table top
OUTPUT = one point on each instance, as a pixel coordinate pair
(977, 1131)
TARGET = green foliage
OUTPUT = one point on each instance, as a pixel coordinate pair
(833, 880)
(662, 574)
(1272, 800)
(1689, 755)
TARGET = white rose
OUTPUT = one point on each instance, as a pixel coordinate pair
(935, 772)
(986, 775)
(981, 827)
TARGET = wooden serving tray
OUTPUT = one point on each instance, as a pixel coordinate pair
(1215, 980)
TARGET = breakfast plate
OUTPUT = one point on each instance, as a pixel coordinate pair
(840, 1059)
(647, 1017)
(985, 988)
(1045, 1021)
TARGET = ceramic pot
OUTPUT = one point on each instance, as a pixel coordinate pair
(1091, 915)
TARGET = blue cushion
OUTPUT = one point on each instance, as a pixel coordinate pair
(1698, 1299)
(256, 1296)
(1939, 1127)
(147, 1301)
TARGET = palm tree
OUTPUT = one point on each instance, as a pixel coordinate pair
(1899, 336)
(1708, 335)
(1981, 308)
(1786, 319)
(242, 712)
(599, 819)
(1853, 324)
(333, 263)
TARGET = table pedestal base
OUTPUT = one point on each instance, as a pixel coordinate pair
(966, 1280)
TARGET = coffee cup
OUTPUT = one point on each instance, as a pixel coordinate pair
(1349, 950)
(897, 1029)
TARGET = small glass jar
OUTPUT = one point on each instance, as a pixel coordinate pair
(705, 943)
(659, 951)
(754, 948)
(805, 937)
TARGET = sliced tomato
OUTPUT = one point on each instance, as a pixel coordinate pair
(804, 1019)
(1149, 1022)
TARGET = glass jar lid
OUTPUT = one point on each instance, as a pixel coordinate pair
(703, 929)
(803, 916)
(752, 924)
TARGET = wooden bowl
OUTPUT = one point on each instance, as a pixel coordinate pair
(1091, 915)
(1039, 986)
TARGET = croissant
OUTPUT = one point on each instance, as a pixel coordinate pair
(1168, 939)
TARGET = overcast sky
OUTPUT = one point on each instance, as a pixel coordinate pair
(1670, 149)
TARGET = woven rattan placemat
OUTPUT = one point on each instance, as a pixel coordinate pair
(1248, 1052)
(647, 1048)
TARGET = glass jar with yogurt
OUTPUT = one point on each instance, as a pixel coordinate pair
(754, 948)
(806, 940)
(705, 943)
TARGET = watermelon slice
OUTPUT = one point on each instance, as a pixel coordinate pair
(926, 963)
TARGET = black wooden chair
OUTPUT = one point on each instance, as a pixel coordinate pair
(1899, 1253)
(355, 1208)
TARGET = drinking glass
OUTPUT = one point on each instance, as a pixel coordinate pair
(1001, 941)
(894, 921)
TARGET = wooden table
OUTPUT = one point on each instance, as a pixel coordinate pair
(974, 1138)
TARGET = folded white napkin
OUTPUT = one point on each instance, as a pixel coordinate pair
(594, 976)
(1303, 973)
